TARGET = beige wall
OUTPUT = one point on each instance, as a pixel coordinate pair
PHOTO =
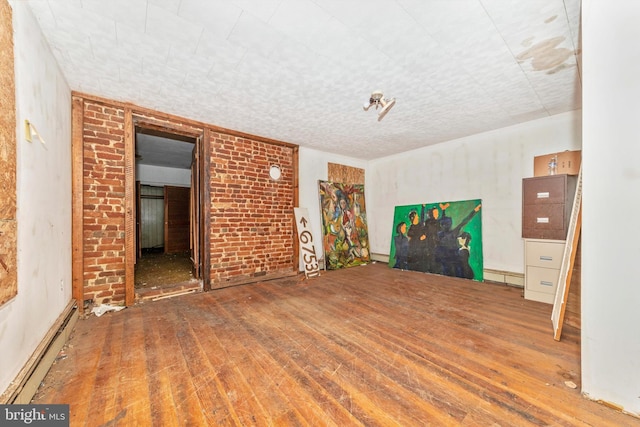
(611, 203)
(488, 166)
(44, 198)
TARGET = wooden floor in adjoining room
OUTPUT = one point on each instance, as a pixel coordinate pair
(361, 346)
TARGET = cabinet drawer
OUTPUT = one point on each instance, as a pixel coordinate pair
(544, 190)
(544, 222)
(543, 280)
(546, 206)
(543, 254)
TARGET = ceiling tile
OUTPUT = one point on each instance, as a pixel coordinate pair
(300, 70)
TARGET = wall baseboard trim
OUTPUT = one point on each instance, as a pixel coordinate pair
(498, 276)
(507, 277)
(24, 386)
(380, 258)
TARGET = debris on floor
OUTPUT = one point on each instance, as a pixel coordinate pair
(101, 309)
(157, 269)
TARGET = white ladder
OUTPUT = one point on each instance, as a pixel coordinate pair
(568, 259)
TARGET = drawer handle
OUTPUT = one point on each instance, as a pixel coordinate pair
(543, 195)
(545, 283)
(546, 258)
(544, 220)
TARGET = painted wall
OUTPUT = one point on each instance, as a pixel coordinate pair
(161, 176)
(314, 166)
(44, 198)
(488, 166)
(611, 180)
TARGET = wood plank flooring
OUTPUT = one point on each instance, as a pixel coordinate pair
(369, 346)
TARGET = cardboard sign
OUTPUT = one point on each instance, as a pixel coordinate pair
(305, 237)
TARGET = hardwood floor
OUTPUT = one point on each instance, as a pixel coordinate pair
(361, 346)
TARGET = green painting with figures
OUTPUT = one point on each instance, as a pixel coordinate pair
(440, 238)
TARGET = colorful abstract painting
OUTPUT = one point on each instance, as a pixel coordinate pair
(344, 225)
(441, 238)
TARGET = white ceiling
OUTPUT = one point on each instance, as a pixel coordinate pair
(300, 70)
(163, 151)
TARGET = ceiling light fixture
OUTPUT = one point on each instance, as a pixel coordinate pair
(378, 99)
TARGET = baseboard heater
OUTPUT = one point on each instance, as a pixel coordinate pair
(24, 386)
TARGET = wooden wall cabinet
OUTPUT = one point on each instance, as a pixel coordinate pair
(546, 206)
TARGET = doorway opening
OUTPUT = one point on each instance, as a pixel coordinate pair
(166, 221)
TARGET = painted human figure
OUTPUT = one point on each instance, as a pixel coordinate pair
(348, 224)
(402, 246)
(432, 226)
(345, 219)
(417, 243)
(447, 249)
(331, 223)
(360, 229)
(463, 268)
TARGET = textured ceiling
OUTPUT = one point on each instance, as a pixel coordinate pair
(163, 151)
(300, 70)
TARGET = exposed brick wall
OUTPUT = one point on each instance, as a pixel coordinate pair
(252, 225)
(104, 203)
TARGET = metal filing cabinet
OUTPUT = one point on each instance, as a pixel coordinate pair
(546, 211)
(546, 206)
(543, 259)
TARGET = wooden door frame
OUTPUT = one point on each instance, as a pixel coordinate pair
(205, 209)
(77, 190)
(195, 212)
(138, 220)
(130, 253)
(201, 141)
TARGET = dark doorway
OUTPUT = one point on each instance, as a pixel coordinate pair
(164, 222)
